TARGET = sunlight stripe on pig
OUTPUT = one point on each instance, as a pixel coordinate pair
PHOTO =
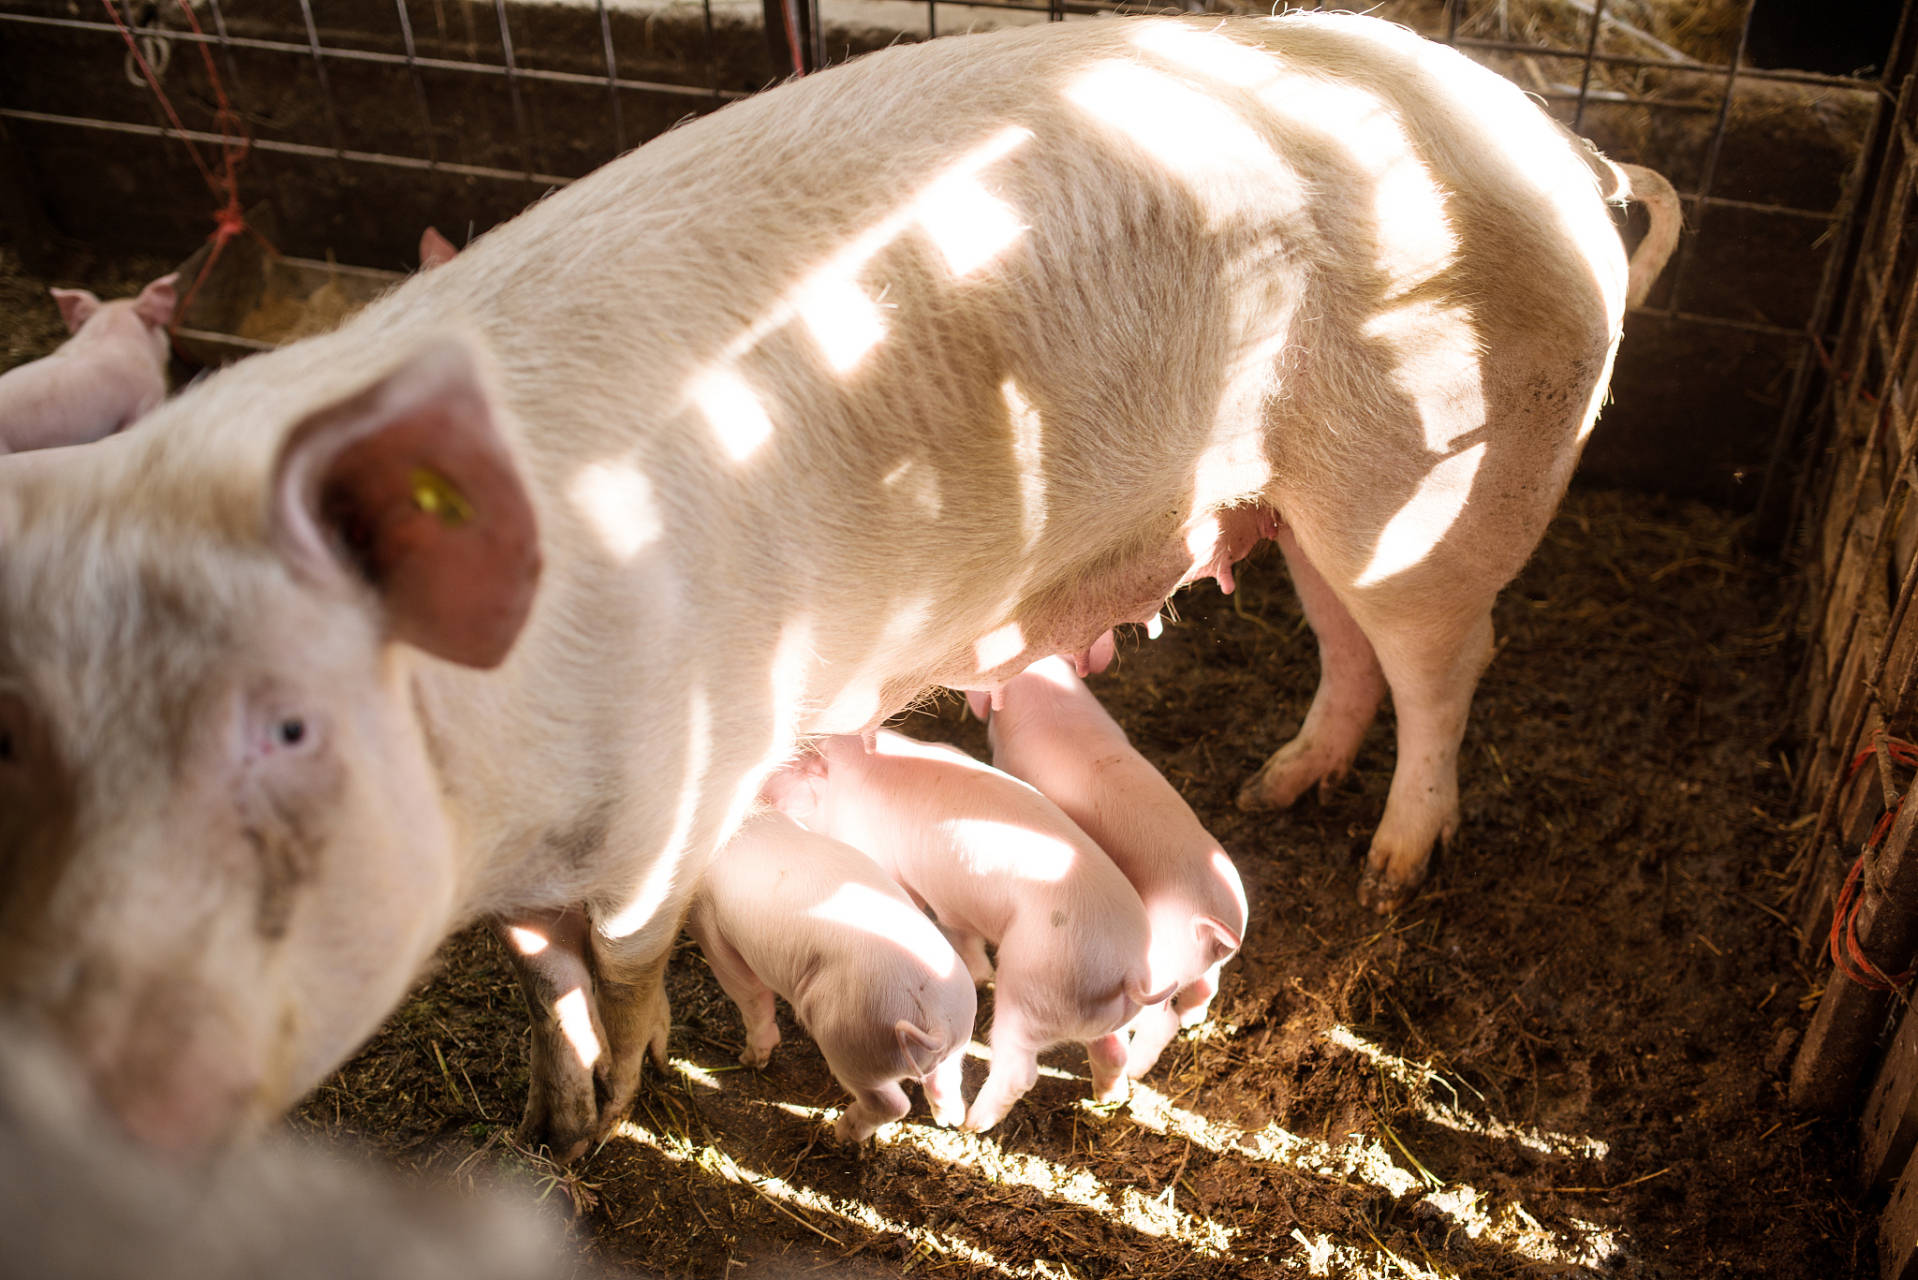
(857, 906)
(1427, 516)
(617, 500)
(735, 412)
(656, 887)
(843, 321)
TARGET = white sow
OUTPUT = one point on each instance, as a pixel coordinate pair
(503, 598)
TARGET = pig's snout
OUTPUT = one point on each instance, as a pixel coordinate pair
(169, 1074)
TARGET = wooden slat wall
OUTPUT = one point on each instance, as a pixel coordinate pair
(1858, 697)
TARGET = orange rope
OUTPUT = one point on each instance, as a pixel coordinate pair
(229, 221)
(1847, 953)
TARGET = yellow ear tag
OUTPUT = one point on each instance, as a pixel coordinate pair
(434, 494)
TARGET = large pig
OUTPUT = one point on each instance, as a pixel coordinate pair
(78, 1201)
(787, 912)
(111, 371)
(1050, 731)
(997, 864)
(502, 598)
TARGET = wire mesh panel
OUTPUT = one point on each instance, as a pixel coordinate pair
(1857, 873)
(368, 119)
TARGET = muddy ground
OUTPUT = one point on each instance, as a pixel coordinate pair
(1565, 1058)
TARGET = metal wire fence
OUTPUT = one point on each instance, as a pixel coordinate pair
(504, 100)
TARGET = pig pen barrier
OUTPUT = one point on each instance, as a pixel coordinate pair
(1856, 888)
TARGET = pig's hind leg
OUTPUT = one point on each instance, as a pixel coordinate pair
(1107, 1057)
(943, 1088)
(1433, 666)
(753, 997)
(1428, 641)
(1015, 1069)
(1351, 685)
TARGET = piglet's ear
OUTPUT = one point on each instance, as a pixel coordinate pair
(409, 486)
(156, 302)
(76, 306)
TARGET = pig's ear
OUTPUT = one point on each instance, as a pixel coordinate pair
(156, 302)
(410, 486)
(1216, 941)
(76, 306)
(435, 249)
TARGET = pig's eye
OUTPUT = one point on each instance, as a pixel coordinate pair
(290, 732)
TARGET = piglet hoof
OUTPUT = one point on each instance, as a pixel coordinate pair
(757, 1054)
(850, 1132)
(948, 1115)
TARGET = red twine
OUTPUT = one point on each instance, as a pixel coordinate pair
(229, 222)
(1847, 955)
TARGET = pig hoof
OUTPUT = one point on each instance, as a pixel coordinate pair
(1383, 893)
(1294, 769)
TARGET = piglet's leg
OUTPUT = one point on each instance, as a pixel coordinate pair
(1015, 1069)
(569, 1039)
(1194, 1000)
(1151, 1031)
(870, 1109)
(1107, 1055)
(754, 998)
(972, 949)
(943, 1088)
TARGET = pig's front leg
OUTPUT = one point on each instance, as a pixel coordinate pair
(1151, 1031)
(1351, 685)
(972, 949)
(943, 1088)
(870, 1109)
(632, 1000)
(569, 1039)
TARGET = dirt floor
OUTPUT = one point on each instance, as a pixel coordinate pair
(1565, 1058)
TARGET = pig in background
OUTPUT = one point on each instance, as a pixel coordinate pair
(1050, 730)
(78, 1201)
(785, 912)
(110, 372)
(504, 598)
(997, 864)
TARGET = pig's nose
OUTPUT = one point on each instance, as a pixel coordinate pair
(174, 1082)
